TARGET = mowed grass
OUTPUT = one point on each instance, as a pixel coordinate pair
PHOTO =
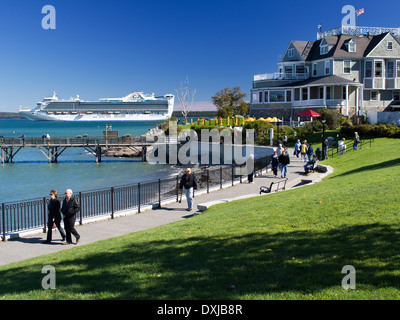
(288, 245)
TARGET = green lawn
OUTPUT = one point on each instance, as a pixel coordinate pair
(288, 245)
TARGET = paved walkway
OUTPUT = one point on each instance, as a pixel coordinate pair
(30, 246)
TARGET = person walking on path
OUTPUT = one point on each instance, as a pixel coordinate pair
(54, 216)
(189, 185)
(303, 150)
(297, 146)
(310, 151)
(356, 141)
(70, 207)
(275, 163)
(284, 160)
(279, 149)
(342, 147)
(326, 149)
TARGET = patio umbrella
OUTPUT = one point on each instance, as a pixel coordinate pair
(310, 113)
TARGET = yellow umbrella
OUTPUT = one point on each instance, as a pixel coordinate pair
(261, 119)
(269, 119)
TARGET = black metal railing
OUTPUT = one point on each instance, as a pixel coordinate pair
(32, 214)
(349, 146)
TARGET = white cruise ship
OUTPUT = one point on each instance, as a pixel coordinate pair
(136, 106)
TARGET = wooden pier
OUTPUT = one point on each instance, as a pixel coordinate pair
(53, 147)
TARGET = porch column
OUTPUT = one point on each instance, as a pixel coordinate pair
(362, 100)
(347, 100)
(308, 96)
(325, 95)
(357, 99)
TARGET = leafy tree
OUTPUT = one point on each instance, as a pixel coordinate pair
(332, 118)
(229, 102)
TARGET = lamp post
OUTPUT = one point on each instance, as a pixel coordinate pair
(323, 120)
(108, 127)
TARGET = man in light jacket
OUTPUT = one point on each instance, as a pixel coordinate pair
(70, 207)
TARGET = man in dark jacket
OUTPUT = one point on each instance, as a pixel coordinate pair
(70, 207)
(284, 160)
(189, 184)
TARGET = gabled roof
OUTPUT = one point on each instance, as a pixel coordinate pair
(374, 42)
(303, 47)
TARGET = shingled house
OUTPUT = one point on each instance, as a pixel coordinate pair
(350, 69)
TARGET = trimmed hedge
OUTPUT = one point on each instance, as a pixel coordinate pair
(368, 130)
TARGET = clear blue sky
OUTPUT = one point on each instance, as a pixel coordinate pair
(109, 48)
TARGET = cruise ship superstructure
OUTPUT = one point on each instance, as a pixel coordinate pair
(136, 106)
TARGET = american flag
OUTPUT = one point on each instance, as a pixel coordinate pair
(360, 11)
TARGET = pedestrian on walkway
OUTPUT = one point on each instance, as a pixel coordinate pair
(303, 150)
(189, 185)
(342, 147)
(54, 216)
(284, 160)
(250, 165)
(70, 207)
(326, 149)
(310, 151)
(279, 149)
(356, 141)
(275, 163)
(297, 146)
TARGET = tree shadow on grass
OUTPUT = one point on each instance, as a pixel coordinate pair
(381, 165)
(202, 267)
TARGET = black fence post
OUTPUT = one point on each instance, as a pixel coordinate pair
(44, 215)
(139, 197)
(159, 193)
(177, 188)
(112, 202)
(80, 208)
(220, 177)
(3, 214)
(208, 181)
(233, 177)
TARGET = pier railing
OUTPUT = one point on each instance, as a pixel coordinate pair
(20, 216)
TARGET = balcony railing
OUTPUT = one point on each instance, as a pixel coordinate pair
(281, 76)
(357, 30)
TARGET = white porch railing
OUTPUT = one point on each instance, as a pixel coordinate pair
(281, 76)
(319, 103)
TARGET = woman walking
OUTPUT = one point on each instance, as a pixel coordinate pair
(54, 216)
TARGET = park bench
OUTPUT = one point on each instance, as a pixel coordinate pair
(280, 185)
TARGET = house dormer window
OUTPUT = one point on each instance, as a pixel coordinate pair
(291, 53)
(351, 46)
(324, 49)
(389, 45)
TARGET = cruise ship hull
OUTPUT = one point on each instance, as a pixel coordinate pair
(134, 107)
(43, 116)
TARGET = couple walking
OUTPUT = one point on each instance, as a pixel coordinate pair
(69, 208)
(282, 161)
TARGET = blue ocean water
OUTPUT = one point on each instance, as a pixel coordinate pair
(31, 176)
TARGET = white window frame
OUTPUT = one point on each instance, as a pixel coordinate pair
(383, 68)
(391, 45)
(372, 69)
(377, 95)
(324, 49)
(394, 70)
(327, 63)
(352, 44)
(255, 97)
(344, 61)
(291, 53)
(314, 69)
(397, 71)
